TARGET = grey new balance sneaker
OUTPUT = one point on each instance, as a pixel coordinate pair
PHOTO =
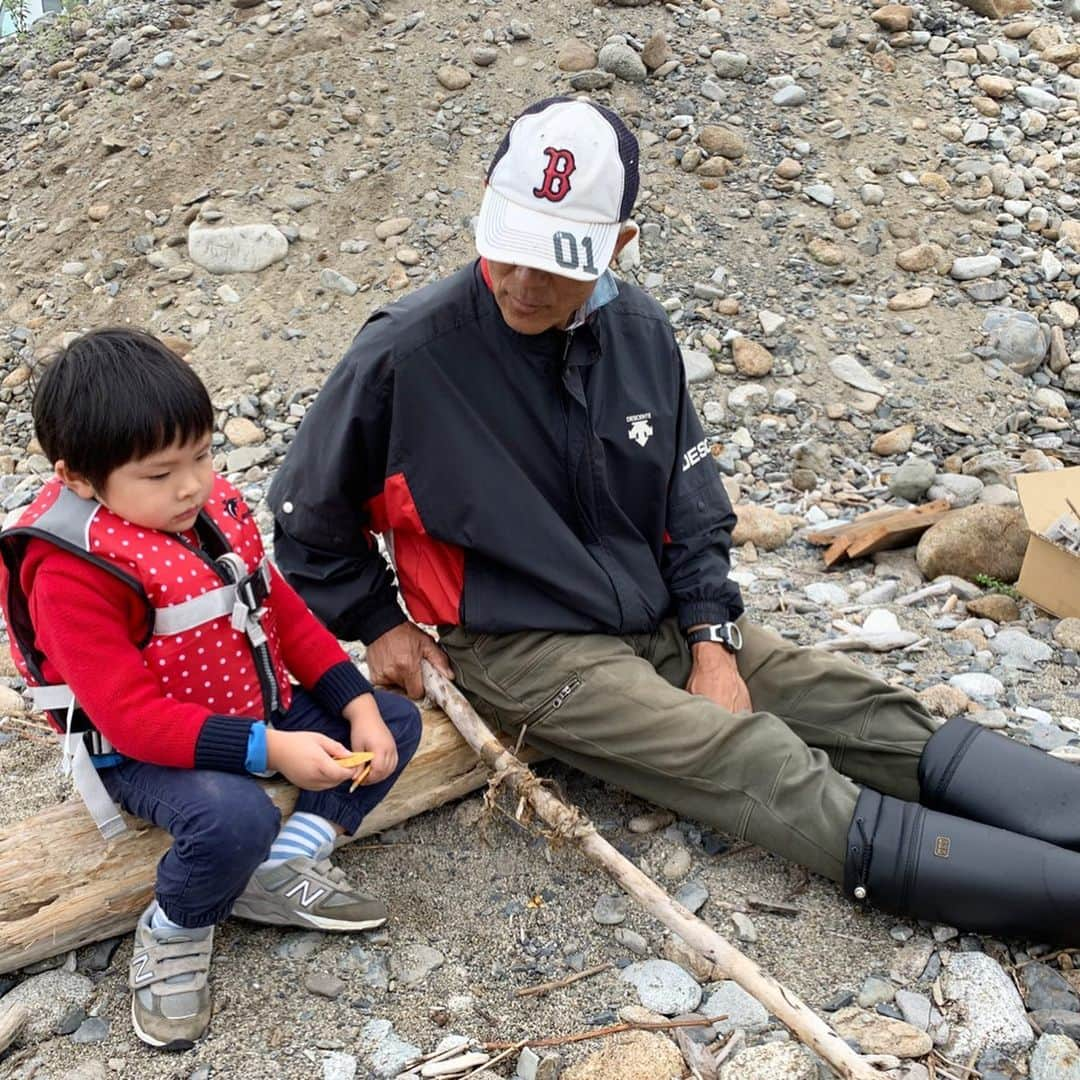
(311, 894)
(170, 997)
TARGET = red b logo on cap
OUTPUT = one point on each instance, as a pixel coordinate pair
(556, 185)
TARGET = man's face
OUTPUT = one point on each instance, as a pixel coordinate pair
(532, 301)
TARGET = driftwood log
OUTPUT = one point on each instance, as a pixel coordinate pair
(62, 886)
(570, 824)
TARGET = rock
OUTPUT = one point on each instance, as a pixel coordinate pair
(48, 997)
(1058, 1022)
(976, 266)
(576, 56)
(692, 895)
(847, 369)
(11, 702)
(721, 140)
(997, 9)
(742, 1011)
(592, 80)
(947, 701)
(236, 249)
(997, 607)
(729, 65)
(637, 1055)
(918, 259)
(772, 1061)
(1044, 988)
(827, 594)
(338, 282)
(789, 169)
(762, 526)
(960, 491)
(1055, 1057)
(623, 62)
(657, 52)
(995, 86)
(911, 299)
(663, 987)
(453, 78)
(392, 227)
(699, 365)
(893, 17)
(1016, 338)
(790, 96)
(751, 359)
(878, 1034)
(1067, 634)
(977, 685)
(323, 985)
(241, 431)
(610, 909)
(975, 540)
(897, 441)
(412, 964)
(825, 252)
(993, 1016)
(912, 480)
(484, 55)
(387, 1053)
(1018, 646)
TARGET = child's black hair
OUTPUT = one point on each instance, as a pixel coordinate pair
(117, 395)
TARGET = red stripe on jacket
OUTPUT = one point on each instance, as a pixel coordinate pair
(431, 573)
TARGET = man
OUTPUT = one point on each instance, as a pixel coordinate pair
(521, 436)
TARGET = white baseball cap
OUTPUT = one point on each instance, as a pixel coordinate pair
(561, 184)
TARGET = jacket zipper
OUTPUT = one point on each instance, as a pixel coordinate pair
(260, 654)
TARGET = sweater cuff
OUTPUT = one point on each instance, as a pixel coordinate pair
(375, 624)
(223, 743)
(338, 686)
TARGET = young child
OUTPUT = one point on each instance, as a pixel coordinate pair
(140, 603)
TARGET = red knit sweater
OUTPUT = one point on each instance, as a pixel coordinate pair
(88, 624)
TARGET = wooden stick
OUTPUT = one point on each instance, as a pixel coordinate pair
(613, 1029)
(555, 984)
(11, 1023)
(569, 823)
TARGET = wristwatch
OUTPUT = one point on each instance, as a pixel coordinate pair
(726, 634)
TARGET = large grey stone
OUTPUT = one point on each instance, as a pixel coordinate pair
(912, 480)
(847, 369)
(412, 964)
(974, 266)
(1016, 338)
(742, 1011)
(236, 249)
(623, 62)
(1056, 1057)
(992, 1016)
(773, 1061)
(664, 987)
(386, 1051)
(48, 997)
(1016, 645)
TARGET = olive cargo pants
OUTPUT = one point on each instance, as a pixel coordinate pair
(783, 776)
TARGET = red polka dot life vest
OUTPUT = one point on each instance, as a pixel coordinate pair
(208, 638)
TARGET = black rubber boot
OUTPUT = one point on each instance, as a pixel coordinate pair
(979, 774)
(907, 859)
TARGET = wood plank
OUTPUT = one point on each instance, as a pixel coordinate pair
(878, 531)
(63, 886)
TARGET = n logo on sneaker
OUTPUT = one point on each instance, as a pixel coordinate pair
(307, 895)
(141, 968)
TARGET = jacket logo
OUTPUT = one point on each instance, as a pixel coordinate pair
(556, 183)
(942, 846)
(696, 453)
(640, 428)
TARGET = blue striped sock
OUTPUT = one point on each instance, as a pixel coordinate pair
(303, 834)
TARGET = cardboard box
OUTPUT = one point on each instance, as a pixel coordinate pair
(1050, 575)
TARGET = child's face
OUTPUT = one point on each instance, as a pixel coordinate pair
(165, 490)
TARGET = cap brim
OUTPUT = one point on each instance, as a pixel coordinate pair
(509, 233)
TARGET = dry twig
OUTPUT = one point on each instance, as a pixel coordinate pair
(555, 984)
(604, 1032)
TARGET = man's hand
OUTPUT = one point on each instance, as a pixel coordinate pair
(394, 658)
(714, 674)
(368, 732)
(306, 758)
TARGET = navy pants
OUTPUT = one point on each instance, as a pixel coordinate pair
(223, 824)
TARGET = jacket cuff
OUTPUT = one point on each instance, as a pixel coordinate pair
(338, 686)
(223, 743)
(702, 612)
(376, 623)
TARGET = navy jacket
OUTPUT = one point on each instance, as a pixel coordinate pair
(557, 481)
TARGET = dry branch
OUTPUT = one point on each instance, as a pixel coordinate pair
(568, 823)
